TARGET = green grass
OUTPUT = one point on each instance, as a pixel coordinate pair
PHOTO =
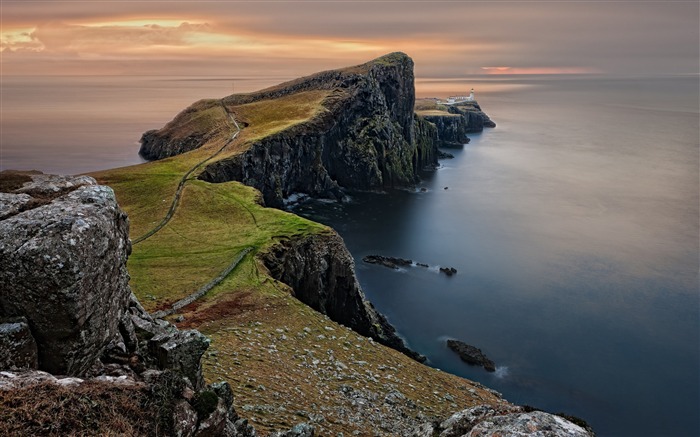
(248, 310)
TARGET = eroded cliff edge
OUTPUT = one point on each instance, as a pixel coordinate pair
(321, 273)
(364, 137)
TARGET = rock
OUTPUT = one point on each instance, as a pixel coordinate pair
(451, 129)
(321, 272)
(445, 155)
(471, 355)
(387, 261)
(504, 420)
(11, 204)
(449, 271)
(181, 351)
(63, 267)
(299, 430)
(528, 424)
(476, 120)
(184, 419)
(215, 424)
(17, 346)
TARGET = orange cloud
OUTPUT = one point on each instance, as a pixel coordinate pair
(539, 70)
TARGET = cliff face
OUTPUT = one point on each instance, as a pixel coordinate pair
(364, 138)
(451, 129)
(475, 119)
(321, 272)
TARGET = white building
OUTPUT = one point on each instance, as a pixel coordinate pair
(456, 99)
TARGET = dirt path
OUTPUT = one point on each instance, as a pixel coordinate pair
(183, 181)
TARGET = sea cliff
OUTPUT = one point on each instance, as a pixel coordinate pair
(364, 137)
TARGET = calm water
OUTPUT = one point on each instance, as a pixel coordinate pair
(573, 225)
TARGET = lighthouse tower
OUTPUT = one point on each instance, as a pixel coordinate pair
(471, 96)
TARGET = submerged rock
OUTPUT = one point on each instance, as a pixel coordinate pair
(471, 355)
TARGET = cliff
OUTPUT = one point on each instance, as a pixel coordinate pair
(321, 273)
(361, 136)
(453, 122)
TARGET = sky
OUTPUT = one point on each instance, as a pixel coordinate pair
(445, 38)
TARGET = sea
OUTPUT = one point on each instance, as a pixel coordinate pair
(573, 226)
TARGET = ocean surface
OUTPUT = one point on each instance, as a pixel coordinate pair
(573, 226)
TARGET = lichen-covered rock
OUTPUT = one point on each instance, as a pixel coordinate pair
(184, 419)
(299, 430)
(63, 267)
(533, 424)
(181, 351)
(17, 346)
(321, 272)
(215, 424)
(505, 420)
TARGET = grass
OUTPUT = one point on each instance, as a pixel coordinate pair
(276, 387)
(89, 409)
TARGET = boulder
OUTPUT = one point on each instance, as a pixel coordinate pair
(17, 346)
(181, 351)
(63, 267)
(505, 420)
(471, 355)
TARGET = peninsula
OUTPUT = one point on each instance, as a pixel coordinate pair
(264, 324)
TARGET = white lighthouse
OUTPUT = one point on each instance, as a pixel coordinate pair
(471, 96)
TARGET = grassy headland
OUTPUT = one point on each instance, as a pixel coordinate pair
(285, 362)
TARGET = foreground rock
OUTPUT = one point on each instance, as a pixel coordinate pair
(486, 421)
(63, 267)
(471, 355)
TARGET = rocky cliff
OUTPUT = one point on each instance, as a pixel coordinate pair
(475, 119)
(321, 273)
(364, 137)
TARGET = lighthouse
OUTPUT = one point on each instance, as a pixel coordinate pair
(471, 96)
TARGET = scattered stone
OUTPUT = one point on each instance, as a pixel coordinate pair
(471, 355)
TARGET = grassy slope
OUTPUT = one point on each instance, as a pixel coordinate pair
(249, 311)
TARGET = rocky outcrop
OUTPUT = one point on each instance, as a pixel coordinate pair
(474, 118)
(487, 421)
(63, 267)
(471, 355)
(321, 273)
(366, 138)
